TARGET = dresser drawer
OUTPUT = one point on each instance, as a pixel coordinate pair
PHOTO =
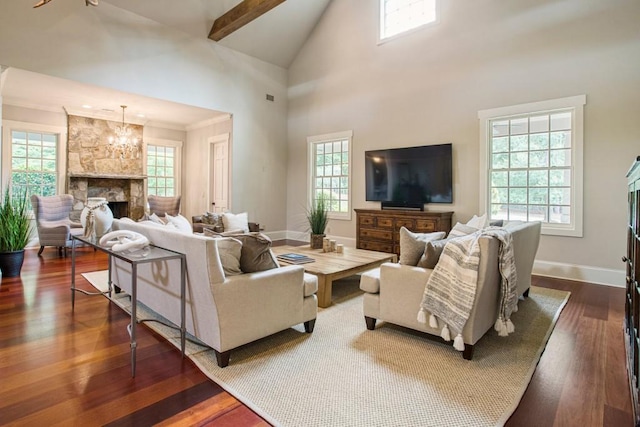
(369, 233)
(408, 223)
(384, 222)
(376, 246)
(366, 220)
(425, 225)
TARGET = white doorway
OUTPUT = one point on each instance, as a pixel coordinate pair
(219, 173)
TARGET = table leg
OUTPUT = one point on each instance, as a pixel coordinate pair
(183, 328)
(324, 290)
(134, 317)
(73, 274)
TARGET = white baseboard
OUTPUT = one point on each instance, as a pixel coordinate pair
(580, 273)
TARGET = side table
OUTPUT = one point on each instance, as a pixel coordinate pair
(150, 254)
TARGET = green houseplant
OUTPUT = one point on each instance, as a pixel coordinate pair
(318, 217)
(15, 229)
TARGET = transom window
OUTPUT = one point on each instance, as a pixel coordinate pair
(400, 16)
(330, 165)
(34, 163)
(534, 168)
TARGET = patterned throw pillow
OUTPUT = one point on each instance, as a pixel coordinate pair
(461, 230)
(214, 219)
(412, 245)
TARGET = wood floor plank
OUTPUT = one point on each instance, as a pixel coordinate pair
(64, 368)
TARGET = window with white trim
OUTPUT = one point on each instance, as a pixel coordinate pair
(330, 172)
(400, 16)
(34, 163)
(163, 168)
(533, 164)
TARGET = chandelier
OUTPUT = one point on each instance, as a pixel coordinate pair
(123, 145)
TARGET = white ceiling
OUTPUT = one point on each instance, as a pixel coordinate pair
(275, 37)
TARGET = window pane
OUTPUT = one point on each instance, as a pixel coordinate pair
(500, 144)
(560, 177)
(560, 158)
(560, 139)
(539, 141)
(500, 195)
(538, 159)
(538, 213)
(18, 163)
(500, 161)
(538, 178)
(520, 143)
(519, 126)
(518, 179)
(561, 121)
(500, 128)
(499, 179)
(560, 196)
(539, 123)
(499, 212)
(517, 195)
(519, 160)
(518, 212)
(560, 214)
(538, 196)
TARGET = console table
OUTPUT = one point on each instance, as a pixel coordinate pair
(149, 254)
(379, 230)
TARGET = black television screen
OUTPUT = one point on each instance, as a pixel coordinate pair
(409, 176)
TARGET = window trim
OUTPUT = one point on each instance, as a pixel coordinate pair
(311, 140)
(8, 126)
(382, 40)
(178, 157)
(576, 103)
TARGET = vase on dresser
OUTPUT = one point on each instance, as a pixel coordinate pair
(96, 217)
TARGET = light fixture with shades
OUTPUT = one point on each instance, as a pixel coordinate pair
(123, 144)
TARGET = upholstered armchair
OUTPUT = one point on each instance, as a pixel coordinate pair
(52, 221)
(164, 205)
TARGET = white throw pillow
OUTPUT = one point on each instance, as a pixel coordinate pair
(229, 251)
(155, 218)
(180, 223)
(462, 230)
(235, 221)
(479, 222)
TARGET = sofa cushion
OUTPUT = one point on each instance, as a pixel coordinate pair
(370, 281)
(232, 221)
(256, 253)
(310, 284)
(412, 245)
(229, 251)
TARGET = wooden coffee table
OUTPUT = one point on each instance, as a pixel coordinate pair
(330, 266)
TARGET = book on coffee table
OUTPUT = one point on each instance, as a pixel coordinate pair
(293, 258)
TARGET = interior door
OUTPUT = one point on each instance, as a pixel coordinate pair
(219, 170)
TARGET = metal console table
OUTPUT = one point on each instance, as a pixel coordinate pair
(150, 254)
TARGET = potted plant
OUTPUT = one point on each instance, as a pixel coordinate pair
(15, 229)
(318, 217)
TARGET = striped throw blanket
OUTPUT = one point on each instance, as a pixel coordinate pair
(451, 288)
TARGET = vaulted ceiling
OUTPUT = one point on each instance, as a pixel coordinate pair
(274, 37)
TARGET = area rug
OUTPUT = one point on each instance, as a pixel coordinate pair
(345, 375)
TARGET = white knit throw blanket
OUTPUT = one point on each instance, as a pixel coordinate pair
(451, 288)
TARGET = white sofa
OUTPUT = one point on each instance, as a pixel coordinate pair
(393, 292)
(222, 312)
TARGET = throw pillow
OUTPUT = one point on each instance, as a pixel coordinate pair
(256, 253)
(229, 251)
(432, 252)
(496, 223)
(180, 223)
(155, 218)
(235, 221)
(461, 230)
(478, 222)
(412, 245)
(213, 219)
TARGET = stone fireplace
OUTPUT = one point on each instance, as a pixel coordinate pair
(94, 171)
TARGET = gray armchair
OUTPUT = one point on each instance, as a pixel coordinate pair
(164, 205)
(52, 221)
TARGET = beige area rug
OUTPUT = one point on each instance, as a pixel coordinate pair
(344, 375)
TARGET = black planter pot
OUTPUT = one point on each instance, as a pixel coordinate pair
(11, 263)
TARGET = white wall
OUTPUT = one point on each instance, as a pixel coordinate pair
(427, 88)
(113, 48)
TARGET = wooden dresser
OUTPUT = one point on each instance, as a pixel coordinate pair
(379, 230)
(632, 303)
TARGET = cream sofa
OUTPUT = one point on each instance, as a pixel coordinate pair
(393, 292)
(222, 312)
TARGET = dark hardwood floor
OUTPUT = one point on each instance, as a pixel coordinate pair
(64, 368)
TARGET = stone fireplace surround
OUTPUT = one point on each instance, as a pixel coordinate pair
(93, 171)
(127, 190)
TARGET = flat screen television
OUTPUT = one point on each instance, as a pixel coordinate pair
(409, 177)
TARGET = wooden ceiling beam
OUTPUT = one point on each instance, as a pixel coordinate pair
(239, 16)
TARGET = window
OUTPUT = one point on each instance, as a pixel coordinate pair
(399, 16)
(163, 171)
(533, 164)
(330, 172)
(31, 157)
